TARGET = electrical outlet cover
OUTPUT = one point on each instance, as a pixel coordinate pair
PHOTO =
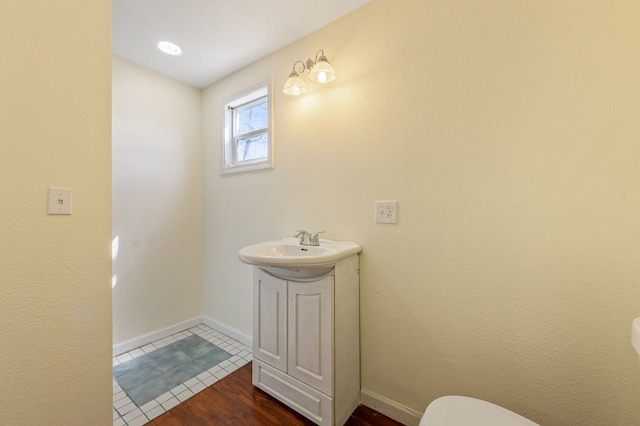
(386, 212)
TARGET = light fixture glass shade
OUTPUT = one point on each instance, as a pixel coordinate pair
(294, 86)
(322, 72)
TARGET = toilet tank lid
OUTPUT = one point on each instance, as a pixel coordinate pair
(462, 410)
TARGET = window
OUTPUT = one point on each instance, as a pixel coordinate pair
(248, 142)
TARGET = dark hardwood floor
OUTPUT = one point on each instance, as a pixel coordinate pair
(235, 401)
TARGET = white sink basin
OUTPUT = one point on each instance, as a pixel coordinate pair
(287, 258)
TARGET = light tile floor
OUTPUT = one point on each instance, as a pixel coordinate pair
(126, 412)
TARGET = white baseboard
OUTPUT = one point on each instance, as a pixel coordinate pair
(145, 339)
(390, 408)
(229, 331)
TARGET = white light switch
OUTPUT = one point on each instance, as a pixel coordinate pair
(60, 201)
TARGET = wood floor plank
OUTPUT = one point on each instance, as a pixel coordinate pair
(235, 401)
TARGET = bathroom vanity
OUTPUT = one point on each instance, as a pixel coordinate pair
(306, 341)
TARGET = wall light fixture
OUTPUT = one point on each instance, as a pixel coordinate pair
(320, 71)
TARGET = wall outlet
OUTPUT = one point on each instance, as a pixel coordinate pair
(386, 212)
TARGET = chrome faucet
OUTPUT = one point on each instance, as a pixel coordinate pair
(307, 239)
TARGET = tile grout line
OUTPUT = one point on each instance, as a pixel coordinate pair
(127, 413)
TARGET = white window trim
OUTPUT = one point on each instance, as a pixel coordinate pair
(240, 98)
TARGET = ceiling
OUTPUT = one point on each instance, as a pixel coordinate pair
(217, 37)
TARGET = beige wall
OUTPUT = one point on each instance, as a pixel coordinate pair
(508, 132)
(55, 130)
(157, 202)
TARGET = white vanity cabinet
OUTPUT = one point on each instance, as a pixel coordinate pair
(306, 343)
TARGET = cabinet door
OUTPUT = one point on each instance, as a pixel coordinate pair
(311, 333)
(270, 319)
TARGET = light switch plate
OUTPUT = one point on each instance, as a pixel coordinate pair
(386, 212)
(59, 201)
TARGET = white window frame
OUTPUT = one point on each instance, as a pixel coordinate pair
(240, 99)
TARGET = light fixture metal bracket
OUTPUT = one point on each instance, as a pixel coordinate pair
(294, 85)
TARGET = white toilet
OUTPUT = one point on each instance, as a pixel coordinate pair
(465, 411)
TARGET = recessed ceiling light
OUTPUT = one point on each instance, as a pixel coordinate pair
(169, 48)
